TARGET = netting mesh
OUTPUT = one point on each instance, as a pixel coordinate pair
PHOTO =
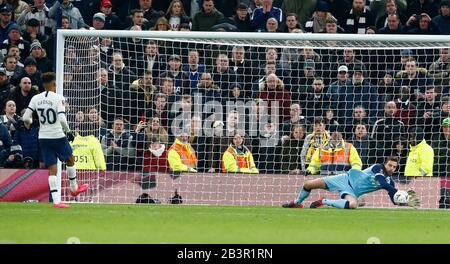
(185, 114)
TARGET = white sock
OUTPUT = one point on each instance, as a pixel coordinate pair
(72, 173)
(53, 183)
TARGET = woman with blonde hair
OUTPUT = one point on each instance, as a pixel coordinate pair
(319, 19)
(176, 15)
(162, 24)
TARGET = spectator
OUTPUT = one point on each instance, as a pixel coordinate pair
(330, 119)
(155, 129)
(233, 123)
(385, 129)
(421, 155)
(303, 9)
(317, 102)
(155, 157)
(296, 118)
(168, 89)
(359, 18)
(442, 21)
(66, 8)
(321, 14)
(386, 86)
(332, 27)
(152, 60)
(5, 87)
(339, 86)
(98, 21)
(440, 70)
(390, 7)
(238, 158)
(359, 116)
(414, 78)
(363, 143)
(119, 74)
(427, 111)
(13, 50)
(262, 14)
(207, 17)
(401, 152)
(13, 71)
(267, 146)
(361, 92)
(349, 60)
(181, 155)
(5, 145)
(336, 156)
(159, 109)
(140, 95)
(15, 38)
(292, 24)
(237, 94)
(441, 146)
(393, 26)
(313, 141)
(87, 150)
(17, 7)
(180, 78)
(40, 12)
(22, 94)
(241, 19)
(193, 68)
(150, 13)
(137, 19)
(176, 16)
(243, 67)
(162, 24)
(31, 71)
(10, 119)
(216, 145)
(423, 27)
(198, 141)
(98, 125)
(223, 75)
(304, 78)
(207, 89)
(116, 146)
(406, 109)
(276, 96)
(32, 32)
(5, 22)
(292, 146)
(112, 21)
(416, 7)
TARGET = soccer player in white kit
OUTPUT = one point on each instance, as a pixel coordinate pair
(54, 136)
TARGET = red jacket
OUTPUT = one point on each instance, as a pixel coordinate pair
(155, 164)
(283, 98)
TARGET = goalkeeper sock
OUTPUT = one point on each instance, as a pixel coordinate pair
(341, 203)
(72, 173)
(304, 193)
(53, 183)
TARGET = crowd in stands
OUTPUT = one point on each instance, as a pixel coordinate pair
(363, 104)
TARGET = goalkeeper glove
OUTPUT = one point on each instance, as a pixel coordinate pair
(70, 136)
(413, 200)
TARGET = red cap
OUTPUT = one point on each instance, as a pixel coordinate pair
(105, 3)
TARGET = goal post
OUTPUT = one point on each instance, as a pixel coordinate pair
(135, 91)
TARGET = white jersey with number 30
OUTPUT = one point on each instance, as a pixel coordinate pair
(49, 106)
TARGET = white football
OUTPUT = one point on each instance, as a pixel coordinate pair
(401, 197)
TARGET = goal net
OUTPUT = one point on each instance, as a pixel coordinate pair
(225, 118)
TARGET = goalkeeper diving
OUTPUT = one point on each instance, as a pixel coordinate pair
(352, 185)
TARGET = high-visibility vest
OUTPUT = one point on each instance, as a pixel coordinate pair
(332, 160)
(313, 145)
(242, 160)
(188, 157)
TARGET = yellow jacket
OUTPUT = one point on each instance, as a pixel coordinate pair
(420, 160)
(181, 157)
(88, 153)
(331, 160)
(232, 161)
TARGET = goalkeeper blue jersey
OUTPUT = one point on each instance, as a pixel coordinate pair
(370, 180)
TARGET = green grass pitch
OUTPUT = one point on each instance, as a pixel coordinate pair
(93, 223)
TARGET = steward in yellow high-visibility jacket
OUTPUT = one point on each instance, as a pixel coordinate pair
(238, 158)
(181, 155)
(88, 153)
(336, 156)
(421, 155)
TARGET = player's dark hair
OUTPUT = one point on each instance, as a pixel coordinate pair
(391, 158)
(48, 77)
